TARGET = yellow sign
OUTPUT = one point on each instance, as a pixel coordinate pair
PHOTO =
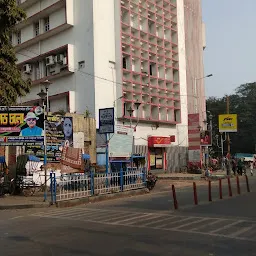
(228, 123)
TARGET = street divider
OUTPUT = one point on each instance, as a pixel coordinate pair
(175, 202)
(238, 185)
(195, 194)
(215, 190)
(247, 183)
(210, 190)
(220, 188)
(229, 187)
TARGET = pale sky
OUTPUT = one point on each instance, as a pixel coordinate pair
(230, 53)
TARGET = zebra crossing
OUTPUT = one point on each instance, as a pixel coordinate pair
(240, 229)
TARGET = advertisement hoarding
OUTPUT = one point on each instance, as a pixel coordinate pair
(58, 130)
(228, 123)
(21, 125)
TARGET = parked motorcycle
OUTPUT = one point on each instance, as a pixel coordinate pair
(151, 181)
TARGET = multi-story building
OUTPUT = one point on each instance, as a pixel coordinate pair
(127, 54)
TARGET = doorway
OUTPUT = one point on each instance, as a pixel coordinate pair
(156, 158)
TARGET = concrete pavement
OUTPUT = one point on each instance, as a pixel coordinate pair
(141, 225)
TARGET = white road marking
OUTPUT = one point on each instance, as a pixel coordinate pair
(241, 231)
(191, 223)
(17, 217)
(208, 224)
(161, 220)
(180, 220)
(133, 218)
(226, 226)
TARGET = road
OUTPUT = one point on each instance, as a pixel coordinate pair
(141, 225)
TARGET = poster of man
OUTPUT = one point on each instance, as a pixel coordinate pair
(21, 125)
(32, 129)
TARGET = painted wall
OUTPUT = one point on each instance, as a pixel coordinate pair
(194, 55)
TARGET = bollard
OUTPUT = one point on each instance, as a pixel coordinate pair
(247, 183)
(55, 188)
(51, 186)
(210, 191)
(238, 185)
(220, 188)
(175, 202)
(195, 194)
(229, 187)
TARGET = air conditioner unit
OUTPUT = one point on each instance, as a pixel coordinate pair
(53, 70)
(59, 58)
(65, 61)
(50, 60)
(27, 69)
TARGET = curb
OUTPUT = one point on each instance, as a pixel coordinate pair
(179, 178)
(23, 206)
(94, 199)
(213, 177)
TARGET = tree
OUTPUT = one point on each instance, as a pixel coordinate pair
(12, 85)
(242, 103)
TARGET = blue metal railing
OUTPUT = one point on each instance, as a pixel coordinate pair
(72, 186)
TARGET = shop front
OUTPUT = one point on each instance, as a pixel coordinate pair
(157, 146)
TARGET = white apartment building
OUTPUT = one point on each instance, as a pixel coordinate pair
(105, 53)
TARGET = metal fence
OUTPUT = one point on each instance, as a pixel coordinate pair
(74, 186)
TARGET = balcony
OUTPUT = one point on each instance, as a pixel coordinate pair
(41, 37)
(39, 70)
(24, 4)
(42, 14)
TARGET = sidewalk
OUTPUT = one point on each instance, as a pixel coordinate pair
(187, 176)
(22, 202)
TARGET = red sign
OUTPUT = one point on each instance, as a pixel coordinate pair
(159, 140)
(205, 138)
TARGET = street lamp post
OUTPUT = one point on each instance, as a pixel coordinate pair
(195, 91)
(221, 146)
(45, 96)
(207, 147)
(130, 111)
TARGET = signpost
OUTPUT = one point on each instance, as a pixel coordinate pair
(106, 126)
(228, 123)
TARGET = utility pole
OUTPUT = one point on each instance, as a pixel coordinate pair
(228, 142)
(228, 138)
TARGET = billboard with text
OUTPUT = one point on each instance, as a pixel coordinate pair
(228, 123)
(21, 125)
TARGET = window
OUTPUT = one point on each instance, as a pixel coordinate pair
(152, 69)
(37, 28)
(37, 71)
(18, 37)
(46, 24)
(124, 63)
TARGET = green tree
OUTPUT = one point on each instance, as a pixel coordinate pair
(12, 85)
(242, 103)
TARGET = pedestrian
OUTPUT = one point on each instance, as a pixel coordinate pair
(251, 168)
(234, 165)
(240, 167)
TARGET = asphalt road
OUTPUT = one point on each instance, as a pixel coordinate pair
(142, 225)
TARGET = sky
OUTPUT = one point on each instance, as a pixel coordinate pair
(230, 53)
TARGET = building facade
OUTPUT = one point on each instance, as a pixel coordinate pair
(127, 54)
